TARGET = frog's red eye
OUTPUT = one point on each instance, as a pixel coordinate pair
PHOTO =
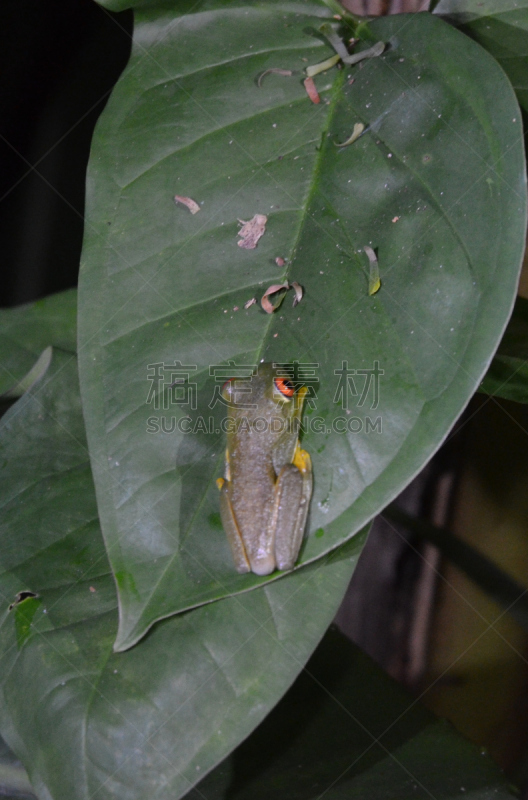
(226, 389)
(285, 387)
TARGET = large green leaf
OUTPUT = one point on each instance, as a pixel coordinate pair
(27, 330)
(436, 185)
(507, 375)
(88, 722)
(345, 730)
(501, 26)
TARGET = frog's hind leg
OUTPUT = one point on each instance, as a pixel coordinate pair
(231, 528)
(294, 489)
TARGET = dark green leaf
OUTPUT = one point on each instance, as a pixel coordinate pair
(88, 722)
(344, 731)
(37, 371)
(507, 375)
(435, 185)
(27, 330)
(501, 26)
(14, 782)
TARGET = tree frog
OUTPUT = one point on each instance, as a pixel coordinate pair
(267, 484)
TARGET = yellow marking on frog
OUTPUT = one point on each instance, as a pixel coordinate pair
(301, 394)
(220, 482)
(301, 459)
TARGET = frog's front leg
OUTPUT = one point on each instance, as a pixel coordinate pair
(293, 490)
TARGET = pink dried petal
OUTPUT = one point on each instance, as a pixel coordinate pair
(191, 204)
(287, 73)
(309, 85)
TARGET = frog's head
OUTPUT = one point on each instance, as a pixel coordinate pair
(272, 390)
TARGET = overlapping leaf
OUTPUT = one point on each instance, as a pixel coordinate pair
(501, 26)
(150, 722)
(14, 783)
(435, 186)
(27, 330)
(508, 373)
(377, 742)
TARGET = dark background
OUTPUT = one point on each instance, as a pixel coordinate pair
(59, 61)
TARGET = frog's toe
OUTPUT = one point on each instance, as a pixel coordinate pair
(263, 565)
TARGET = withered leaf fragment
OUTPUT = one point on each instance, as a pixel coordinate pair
(276, 288)
(335, 40)
(373, 52)
(356, 133)
(341, 49)
(297, 288)
(191, 204)
(251, 231)
(309, 85)
(287, 73)
(280, 290)
(374, 277)
(315, 69)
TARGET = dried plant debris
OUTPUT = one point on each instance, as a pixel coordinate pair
(335, 40)
(342, 54)
(342, 51)
(250, 303)
(373, 52)
(287, 73)
(280, 289)
(297, 288)
(315, 69)
(251, 231)
(356, 133)
(309, 85)
(191, 204)
(374, 277)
